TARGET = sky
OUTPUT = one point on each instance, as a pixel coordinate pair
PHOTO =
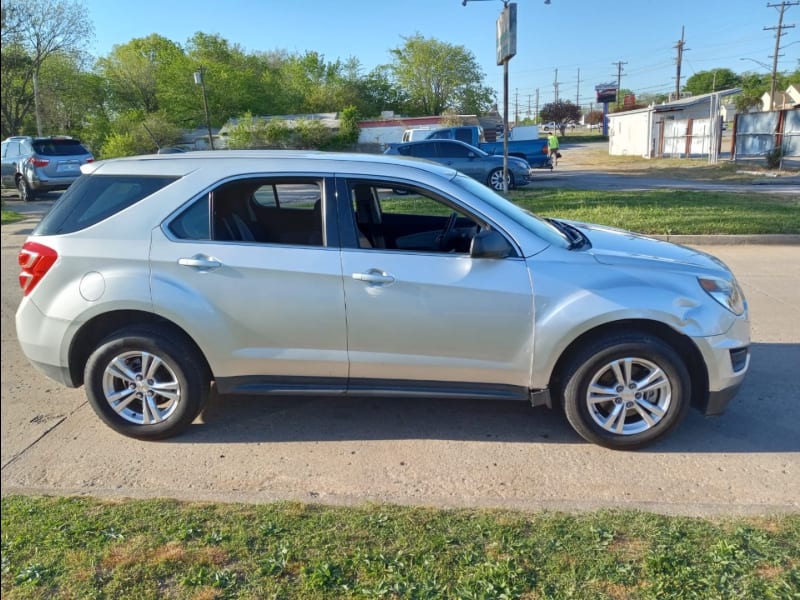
(575, 44)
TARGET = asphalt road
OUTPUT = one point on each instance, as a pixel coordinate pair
(424, 452)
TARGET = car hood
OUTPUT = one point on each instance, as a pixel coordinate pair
(611, 246)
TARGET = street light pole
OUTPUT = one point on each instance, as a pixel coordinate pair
(506, 49)
(199, 79)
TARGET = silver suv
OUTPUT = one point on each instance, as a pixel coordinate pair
(303, 273)
(40, 165)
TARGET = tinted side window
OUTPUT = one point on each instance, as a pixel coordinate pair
(453, 150)
(93, 198)
(425, 150)
(280, 211)
(464, 134)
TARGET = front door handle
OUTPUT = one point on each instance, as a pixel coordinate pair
(374, 276)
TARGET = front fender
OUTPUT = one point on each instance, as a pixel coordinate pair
(576, 296)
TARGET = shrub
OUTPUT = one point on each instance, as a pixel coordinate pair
(774, 157)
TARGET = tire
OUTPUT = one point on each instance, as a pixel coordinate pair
(495, 180)
(26, 193)
(117, 384)
(604, 395)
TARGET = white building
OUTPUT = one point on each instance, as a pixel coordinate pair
(688, 127)
(783, 100)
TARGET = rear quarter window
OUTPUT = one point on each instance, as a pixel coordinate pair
(93, 198)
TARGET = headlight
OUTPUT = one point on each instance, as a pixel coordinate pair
(727, 293)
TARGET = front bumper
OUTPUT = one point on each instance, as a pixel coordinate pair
(727, 360)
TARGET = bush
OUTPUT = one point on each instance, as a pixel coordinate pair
(774, 157)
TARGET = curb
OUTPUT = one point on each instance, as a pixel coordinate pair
(789, 239)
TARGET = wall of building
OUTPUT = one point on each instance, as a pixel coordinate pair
(628, 134)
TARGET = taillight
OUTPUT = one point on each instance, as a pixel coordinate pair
(545, 149)
(88, 160)
(35, 261)
(39, 162)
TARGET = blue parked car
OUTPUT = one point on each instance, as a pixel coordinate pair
(472, 161)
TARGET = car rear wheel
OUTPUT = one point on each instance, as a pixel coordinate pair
(26, 193)
(495, 180)
(146, 384)
(626, 391)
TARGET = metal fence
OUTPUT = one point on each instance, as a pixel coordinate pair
(758, 134)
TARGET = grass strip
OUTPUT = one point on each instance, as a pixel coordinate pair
(668, 212)
(87, 548)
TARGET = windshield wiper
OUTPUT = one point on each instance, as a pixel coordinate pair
(575, 237)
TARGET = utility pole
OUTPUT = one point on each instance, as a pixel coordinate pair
(619, 78)
(680, 47)
(578, 93)
(778, 33)
(199, 79)
(536, 114)
(555, 86)
(516, 106)
(529, 106)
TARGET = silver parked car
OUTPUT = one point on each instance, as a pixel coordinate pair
(40, 165)
(306, 273)
(472, 161)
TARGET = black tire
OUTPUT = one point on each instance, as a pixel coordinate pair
(26, 193)
(495, 180)
(618, 412)
(176, 368)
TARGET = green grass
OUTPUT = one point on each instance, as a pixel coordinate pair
(669, 212)
(84, 548)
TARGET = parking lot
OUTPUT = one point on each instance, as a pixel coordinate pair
(443, 453)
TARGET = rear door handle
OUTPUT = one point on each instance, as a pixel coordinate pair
(200, 262)
(374, 276)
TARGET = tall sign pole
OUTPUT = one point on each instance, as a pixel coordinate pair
(506, 49)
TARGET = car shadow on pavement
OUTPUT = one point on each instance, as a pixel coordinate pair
(247, 419)
(762, 417)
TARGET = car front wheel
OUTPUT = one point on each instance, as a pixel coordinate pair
(495, 180)
(625, 391)
(146, 384)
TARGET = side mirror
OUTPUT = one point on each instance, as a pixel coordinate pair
(488, 243)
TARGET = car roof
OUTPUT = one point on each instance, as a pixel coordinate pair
(260, 161)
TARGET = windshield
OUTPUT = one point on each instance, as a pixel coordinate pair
(526, 219)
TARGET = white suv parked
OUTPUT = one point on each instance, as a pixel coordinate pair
(313, 273)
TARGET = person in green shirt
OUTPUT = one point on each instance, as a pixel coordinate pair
(552, 142)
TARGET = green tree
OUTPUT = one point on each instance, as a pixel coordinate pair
(561, 113)
(377, 93)
(704, 82)
(233, 81)
(138, 73)
(753, 87)
(16, 71)
(40, 30)
(348, 128)
(436, 76)
(70, 95)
